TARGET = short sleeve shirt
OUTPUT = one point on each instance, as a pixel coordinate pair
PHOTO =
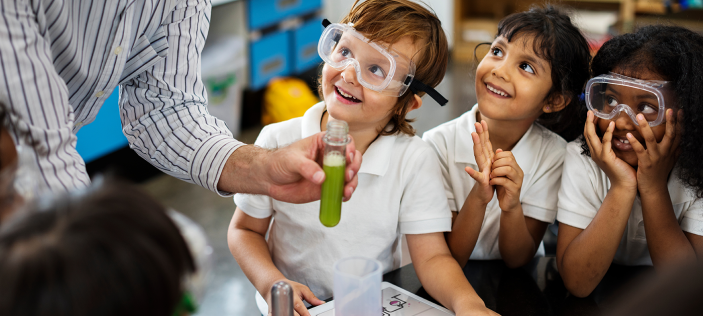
(399, 192)
(540, 155)
(584, 187)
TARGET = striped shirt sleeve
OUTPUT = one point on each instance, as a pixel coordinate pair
(36, 97)
(163, 109)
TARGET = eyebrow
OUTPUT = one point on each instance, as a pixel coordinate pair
(529, 58)
(647, 96)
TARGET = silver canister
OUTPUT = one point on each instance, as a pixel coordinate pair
(282, 299)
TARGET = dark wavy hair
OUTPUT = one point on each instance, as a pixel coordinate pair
(675, 53)
(108, 251)
(560, 43)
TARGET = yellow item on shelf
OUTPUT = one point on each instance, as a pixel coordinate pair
(286, 98)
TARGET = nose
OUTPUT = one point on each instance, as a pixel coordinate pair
(349, 75)
(500, 71)
(623, 122)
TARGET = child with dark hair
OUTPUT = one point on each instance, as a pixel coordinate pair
(110, 251)
(527, 89)
(379, 61)
(631, 187)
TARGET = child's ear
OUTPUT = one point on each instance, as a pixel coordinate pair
(555, 103)
(415, 102)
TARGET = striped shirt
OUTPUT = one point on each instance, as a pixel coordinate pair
(61, 59)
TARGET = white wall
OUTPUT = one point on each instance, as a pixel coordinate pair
(334, 10)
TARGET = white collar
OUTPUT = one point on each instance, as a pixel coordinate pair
(678, 192)
(464, 151)
(377, 157)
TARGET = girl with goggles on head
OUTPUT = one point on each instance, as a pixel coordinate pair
(379, 61)
(634, 201)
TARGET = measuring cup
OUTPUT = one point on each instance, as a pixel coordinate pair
(357, 287)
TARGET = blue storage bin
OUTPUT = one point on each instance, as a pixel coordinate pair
(263, 13)
(270, 57)
(305, 40)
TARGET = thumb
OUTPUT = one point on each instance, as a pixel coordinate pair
(308, 169)
(473, 174)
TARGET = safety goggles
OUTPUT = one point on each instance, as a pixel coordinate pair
(377, 67)
(608, 95)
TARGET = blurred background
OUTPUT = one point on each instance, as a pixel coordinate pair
(260, 66)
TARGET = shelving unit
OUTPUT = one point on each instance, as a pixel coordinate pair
(477, 21)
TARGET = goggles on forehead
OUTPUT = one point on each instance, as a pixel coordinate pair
(377, 67)
(608, 95)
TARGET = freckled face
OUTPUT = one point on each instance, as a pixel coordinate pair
(512, 82)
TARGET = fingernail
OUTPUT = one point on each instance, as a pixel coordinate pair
(610, 124)
(350, 175)
(629, 135)
(640, 117)
(351, 156)
(318, 177)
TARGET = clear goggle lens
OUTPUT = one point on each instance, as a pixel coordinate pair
(377, 68)
(609, 99)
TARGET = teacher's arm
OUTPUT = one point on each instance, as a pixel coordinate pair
(35, 99)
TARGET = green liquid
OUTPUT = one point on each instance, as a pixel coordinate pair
(332, 190)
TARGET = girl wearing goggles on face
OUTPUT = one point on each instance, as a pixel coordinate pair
(630, 188)
(503, 188)
(379, 61)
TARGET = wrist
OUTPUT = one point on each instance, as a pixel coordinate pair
(512, 210)
(475, 197)
(623, 190)
(246, 171)
(645, 188)
(468, 304)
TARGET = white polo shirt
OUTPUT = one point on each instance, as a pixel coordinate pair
(399, 192)
(584, 188)
(539, 153)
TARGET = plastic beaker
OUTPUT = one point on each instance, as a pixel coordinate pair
(357, 287)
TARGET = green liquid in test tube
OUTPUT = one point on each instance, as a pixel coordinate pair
(334, 163)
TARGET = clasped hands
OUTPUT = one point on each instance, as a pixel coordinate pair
(497, 172)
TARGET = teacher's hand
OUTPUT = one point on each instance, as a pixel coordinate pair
(291, 174)
(295, 174)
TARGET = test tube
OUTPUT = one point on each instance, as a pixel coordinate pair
(334, 163)
(282, 299)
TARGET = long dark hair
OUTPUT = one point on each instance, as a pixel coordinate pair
(675, 53)
(560, 43)
(110, 251)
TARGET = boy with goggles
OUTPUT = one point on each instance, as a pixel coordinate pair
(392, 46)
(608, 95)
(377, 67)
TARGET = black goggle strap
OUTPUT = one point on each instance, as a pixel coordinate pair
(415, 85)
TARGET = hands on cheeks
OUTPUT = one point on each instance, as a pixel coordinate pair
(656, 160)
(618, 171)
(295, 175)
(498, 171)
(300, 293)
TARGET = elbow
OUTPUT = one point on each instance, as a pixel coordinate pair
(579, 292)
(577, 286)
(515, 262)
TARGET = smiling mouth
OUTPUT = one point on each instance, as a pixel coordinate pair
(497, 91)
(346, 96)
